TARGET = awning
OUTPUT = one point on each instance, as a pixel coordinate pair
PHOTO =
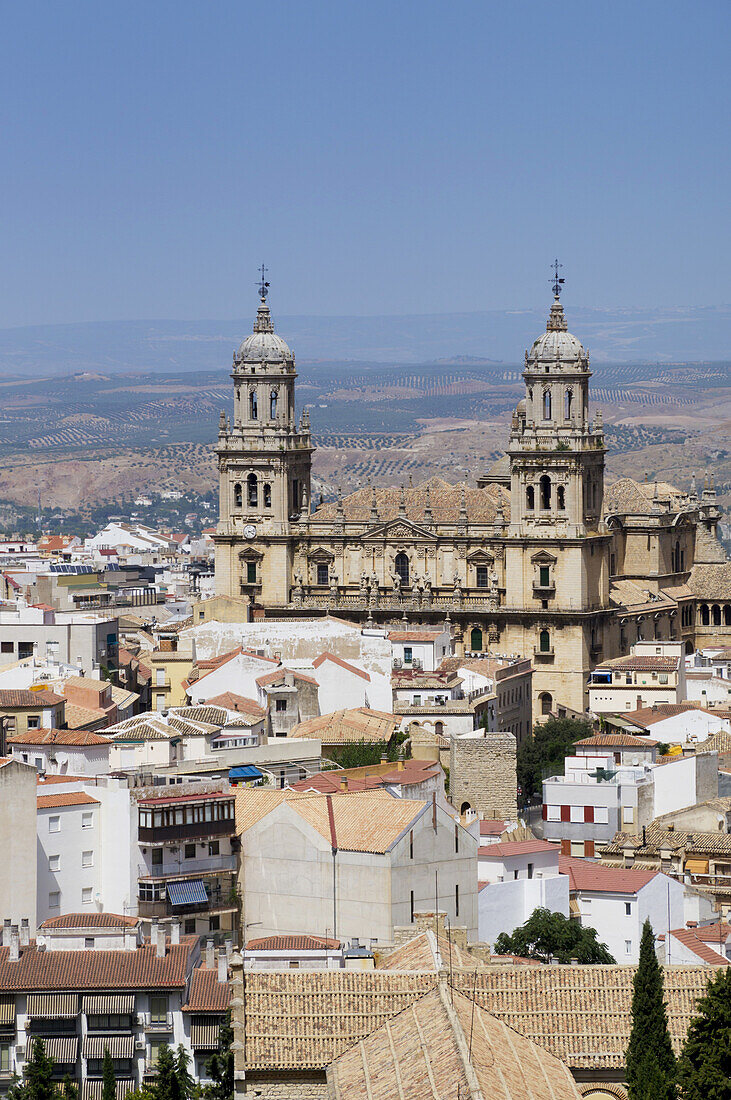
(62, 1048)
(119, 1046)
(106, 1004)
(696, 866)
(53, 1004)
(204, 1036)
(192, 892)
(246, 771)
(7, 1011)
(574, 910)
(92, 1090)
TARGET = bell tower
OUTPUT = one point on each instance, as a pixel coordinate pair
(264, 462)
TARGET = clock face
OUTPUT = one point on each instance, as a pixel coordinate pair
(250, 531)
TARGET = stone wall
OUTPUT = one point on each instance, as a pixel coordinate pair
(285, 1086)
(482, 773)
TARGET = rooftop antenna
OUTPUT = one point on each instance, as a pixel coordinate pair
(557, 282)
(263, 287)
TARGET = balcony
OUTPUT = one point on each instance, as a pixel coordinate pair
(158, 1025)
(543, 654)
(220, 900)
(185, 867)
(159, 834)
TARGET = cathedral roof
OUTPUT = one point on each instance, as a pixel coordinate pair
(711, 582)
(556, 345)
(264, 346)
(481, 505)
(629, 496)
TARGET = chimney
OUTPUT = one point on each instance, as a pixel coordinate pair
(400, 765)
(25, 932)
(343, 782)
(14, 944)
(160, 942)
(6, 932)
(384, 758)
(210, 955)
(153, 931)
(691, 924)
(175, 931)
(222, 967)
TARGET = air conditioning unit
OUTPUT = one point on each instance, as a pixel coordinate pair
(140, 1044)
(416, 663)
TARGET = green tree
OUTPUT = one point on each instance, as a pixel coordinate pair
(544, 752)
(651, 1069)
(704, 1067)
(109, 1081)
(70, 1090)
(164, 1085)
(220, 1067)
(547, 935)
(186, 1084)
(37, 1083)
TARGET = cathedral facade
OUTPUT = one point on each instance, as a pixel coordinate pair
(538, 559)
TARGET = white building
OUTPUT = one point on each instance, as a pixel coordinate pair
(69, 637)
(17, 842)
(517, 877)
(293, 953)
(352, 865)
(62, 752)
(654, 672)
(419, 649)
(617, 902)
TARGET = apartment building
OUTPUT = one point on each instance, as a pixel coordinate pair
(71, 638)
(517, 877)
(31, 709)
(653, 672)
(17, 841)
(419, 649)
(90, 982)
(62, 752)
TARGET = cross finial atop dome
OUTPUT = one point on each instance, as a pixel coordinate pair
(264, 285)
(263, 322)
(557, 282)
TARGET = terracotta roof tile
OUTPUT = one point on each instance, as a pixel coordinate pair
(70, 970)
(693, 942)
(596, 878)
(293, 943)
(616, 740)
(342, 726)
(17, 697)
(506, 848)
(343, 664)
(481, 504)
(91, 920)
(279, 674)
(76, 738)
(207, 994)
(73, 798)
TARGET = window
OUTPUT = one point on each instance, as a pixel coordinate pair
(456, 901)
(190, 851)
(87, 895)
(88, 943)
(416, 701)
(238, 495)
(6, 647)
(158, 1009)
(456, 838)
(544, 576)
(544, 642)
(160, 677)
(401, 566)
(476, 640)
(628, 908)
(545, 492)
(252, 490)
(155, 1045)
(628, 814)
(253, 406)
(273, 405)
(530, 498)
(561, 498)
(663, 677)
(87, 820)
(54, 899)
(577, 814)
(54, 824)
(281, 706)
(482, 576)
(530, 870)
(322, 573)
(546, 701)
(214, 924)
(601, 815)
(5, 1058)
(411, 844)
(408, 654)
(190, 926)
(628, 947)
(34, 722)
(54, 863)
(411, 908)
(156, 858)
(553, 813)
(546, 404)
(251, 572)
(267, 495)
(577, 848)
(567, 399)
(214, 847)
(160, 701)
(87, 859)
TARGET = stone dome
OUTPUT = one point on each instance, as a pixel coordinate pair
(264, 346)
(556, 345)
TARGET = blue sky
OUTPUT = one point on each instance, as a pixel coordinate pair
(379, 157)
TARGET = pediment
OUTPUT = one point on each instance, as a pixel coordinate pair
(321, 554)
(544, 558)
(480, 557)
(400, 528)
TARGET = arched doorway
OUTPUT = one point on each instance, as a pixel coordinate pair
(465, 808)
(401, 566)
(476, 640)
(546, 701)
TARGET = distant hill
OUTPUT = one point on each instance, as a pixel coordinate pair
(693, 334)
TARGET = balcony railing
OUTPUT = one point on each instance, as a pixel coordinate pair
(202, 829)
(185, 867)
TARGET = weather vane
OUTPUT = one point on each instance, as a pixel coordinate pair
(264, 285)
(557, 283)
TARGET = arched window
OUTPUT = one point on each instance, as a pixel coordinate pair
(253, 406)
(544, 642)
(727, 615)
(530, 498)
(705, 616)
(465, 808)
(567, 399)
(273, 405)
(253, 490)
(716, 614)
(267, 496)
(439, 728)
(238, 495)
(401, 565)
(546, 701)
(561, 498)
(676, 557)
(546, 404)
(545, 491)
(476, 640)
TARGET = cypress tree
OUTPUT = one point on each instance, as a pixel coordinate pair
(37, 1073)
(651, 1068)
(186, 1084)
(165, 1085)
(704, 1068)
(109, 1081)
(70, 1090)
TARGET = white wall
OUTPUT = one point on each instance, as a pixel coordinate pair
(606, 912)
(18, 883)
(68, 844)
(504, 906)
(505, 867)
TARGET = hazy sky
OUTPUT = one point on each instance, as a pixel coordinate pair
(379, 157)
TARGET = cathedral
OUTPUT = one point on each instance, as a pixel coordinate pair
(539, 559)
